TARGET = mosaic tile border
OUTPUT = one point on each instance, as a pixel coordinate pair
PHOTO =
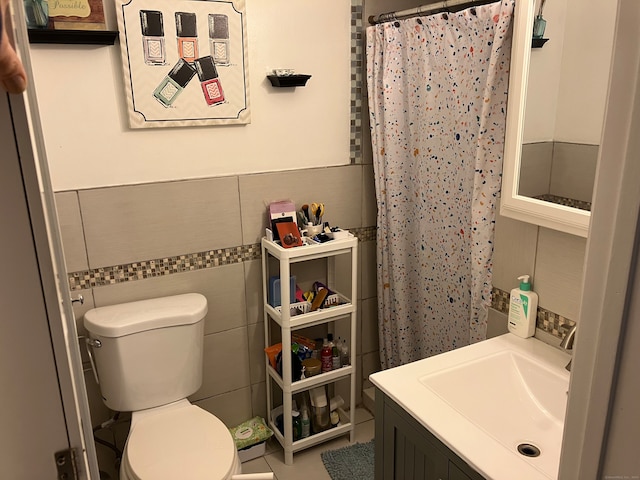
(550, 322)
(568, 202)
(187, 262)
(357, 56)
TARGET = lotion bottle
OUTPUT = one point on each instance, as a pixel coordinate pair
(326, 357)
(523, 308)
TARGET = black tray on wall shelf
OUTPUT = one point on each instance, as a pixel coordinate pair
(73, 37)
(538, 42)
(288, 80)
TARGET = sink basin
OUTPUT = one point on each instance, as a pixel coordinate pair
(498, 404)
(512, 398)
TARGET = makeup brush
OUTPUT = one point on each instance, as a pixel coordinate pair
(305, 210)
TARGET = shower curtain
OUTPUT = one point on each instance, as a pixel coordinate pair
(437, 90)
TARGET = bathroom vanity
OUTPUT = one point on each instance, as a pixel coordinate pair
(493, 410)
(405, 449)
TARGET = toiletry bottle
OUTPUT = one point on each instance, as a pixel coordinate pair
(335, 357)
(210, 82)
(187, 33)
(306, 423)
(523, 308)
(297, 425)
(174, 83)
(326, 356)
(320, 409)
(153, 37)
(335, 419)
(344, 354)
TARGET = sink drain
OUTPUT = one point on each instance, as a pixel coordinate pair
(528, 450)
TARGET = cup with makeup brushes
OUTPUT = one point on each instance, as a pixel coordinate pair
(311, 230)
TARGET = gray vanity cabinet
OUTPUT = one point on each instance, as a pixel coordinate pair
(405, 450)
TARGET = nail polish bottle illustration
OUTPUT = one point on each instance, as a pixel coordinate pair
(209, 80)
(153, 37)
(219, 38)
(174, 83)
(187, 34)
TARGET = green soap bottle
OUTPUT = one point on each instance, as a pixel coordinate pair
(523, 309)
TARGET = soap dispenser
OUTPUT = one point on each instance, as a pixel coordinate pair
(523, 308)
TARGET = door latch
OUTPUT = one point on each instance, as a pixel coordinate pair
(66, 465)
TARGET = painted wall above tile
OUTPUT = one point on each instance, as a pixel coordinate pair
(90, 145)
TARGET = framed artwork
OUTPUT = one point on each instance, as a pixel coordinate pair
(65, 15)
(184, 62)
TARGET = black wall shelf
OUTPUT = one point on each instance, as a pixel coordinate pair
(73, 37)
(288, 80)
(538, 42)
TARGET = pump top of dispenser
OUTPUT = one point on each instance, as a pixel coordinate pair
(525, 286)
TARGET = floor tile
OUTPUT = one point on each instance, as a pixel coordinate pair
(307, 463)
(257, 465)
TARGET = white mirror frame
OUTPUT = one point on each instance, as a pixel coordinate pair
(526, 209)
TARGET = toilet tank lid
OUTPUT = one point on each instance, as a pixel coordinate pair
(128, 318)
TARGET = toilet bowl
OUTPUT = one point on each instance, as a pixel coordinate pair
(147, 357)
(182, 431)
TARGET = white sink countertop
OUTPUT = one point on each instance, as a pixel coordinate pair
(485, 399)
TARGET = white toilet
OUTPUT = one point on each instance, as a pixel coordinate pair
(148, 360)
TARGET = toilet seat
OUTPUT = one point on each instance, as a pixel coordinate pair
(186, 442)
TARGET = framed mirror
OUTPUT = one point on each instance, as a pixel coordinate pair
(557, 99)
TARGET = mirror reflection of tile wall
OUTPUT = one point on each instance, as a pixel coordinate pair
(559, 172)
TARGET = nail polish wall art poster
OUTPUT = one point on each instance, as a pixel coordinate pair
(184, 62)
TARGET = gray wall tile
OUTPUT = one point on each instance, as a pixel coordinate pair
(559, 271)
(253, 289)
(514, 253)
(99, 411)
(138, 222)
(232, 408)
(369, 204)
(70, 221)
(222, 286)
(368, 270)
(256, 352)
(226, 363)
(496, 323)
(78, 313)
(535, 169)
(369, 314)
(259, 400)
(574, 170)
(339, 188)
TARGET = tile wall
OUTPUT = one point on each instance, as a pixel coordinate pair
(135, 242)
(555, 262)
(559, 169)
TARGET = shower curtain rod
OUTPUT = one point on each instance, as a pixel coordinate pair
(429, 8)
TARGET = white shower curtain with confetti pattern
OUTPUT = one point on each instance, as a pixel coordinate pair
(437, 90)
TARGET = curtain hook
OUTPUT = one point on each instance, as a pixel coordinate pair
(445, 16)
(473, 11)
(419, 21)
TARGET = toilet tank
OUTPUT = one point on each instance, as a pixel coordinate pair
(148, 353)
